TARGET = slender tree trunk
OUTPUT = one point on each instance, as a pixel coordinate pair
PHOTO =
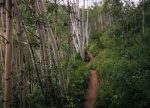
(43, 46)
(87, 24)
(34, 61)
(70, 48)
(101, 20)
(55, 18)
(21, 49)
(1, 57)
(2, 39)
(8, 56)
(80, 33)
(83, 35)
(55, 49)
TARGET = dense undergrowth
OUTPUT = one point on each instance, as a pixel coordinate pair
(124, 70)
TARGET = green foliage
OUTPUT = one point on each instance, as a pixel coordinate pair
(78, 85)
(36, 100)
(124, 72)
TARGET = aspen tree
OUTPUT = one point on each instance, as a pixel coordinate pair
(8, 56)
(87, 24)
(69, 44)
(21, 49)
(1, 57)
(2, 40)
(53, 41)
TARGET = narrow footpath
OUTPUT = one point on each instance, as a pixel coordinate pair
(92, 86)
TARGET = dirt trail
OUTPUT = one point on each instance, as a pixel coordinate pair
(92, 86)
(91, 56)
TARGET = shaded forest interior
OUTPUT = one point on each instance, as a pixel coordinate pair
(71, 54)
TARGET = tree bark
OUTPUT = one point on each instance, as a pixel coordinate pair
(70, 48)
(21, 49)
(2, 41)
(8, 56)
